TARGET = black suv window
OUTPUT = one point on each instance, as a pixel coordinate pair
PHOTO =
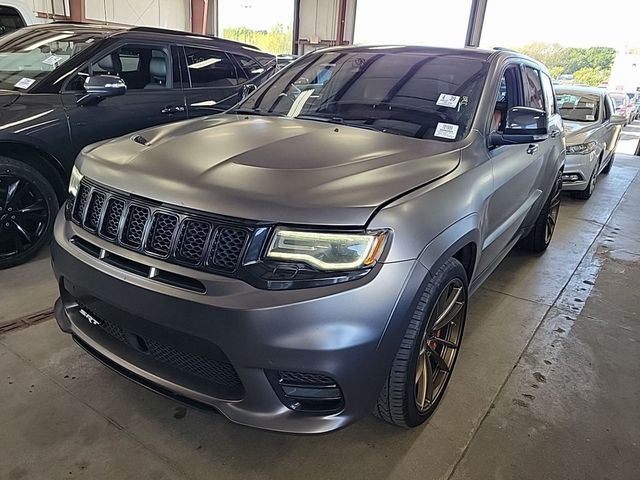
(210, 68)
(250, 68)
(10, 20)
(534, 93)
(141, 68)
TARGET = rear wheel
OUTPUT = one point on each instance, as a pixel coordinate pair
(540, 235)
(28, 205)
(424, 362)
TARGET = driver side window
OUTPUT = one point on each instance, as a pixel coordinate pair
(506, 98)
(141, 68)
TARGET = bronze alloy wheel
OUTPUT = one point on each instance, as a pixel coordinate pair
(439, 345)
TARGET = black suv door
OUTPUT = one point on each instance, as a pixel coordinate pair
(154, 95)
(211, 83)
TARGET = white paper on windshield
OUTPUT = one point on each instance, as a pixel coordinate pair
(446, 100)
(590, 117)
(446, 130)
(52, 60)
(24, 83)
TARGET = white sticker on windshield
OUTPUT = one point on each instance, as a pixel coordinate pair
(24, 83)
(446, 130)
(590, 117)
(445, 100)
(52, 60)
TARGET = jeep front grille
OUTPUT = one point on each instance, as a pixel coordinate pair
(201, 241)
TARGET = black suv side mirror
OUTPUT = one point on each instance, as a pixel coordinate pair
(99, 87)
(523, 125)
(248, 89)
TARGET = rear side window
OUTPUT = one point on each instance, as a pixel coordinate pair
(210, 68)
(534, 94)
(10, 20)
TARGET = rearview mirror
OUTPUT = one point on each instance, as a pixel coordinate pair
(523, 125)
(99, 87)
(618, 119)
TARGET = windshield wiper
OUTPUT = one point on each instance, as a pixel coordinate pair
(341, 121)
(255, 111)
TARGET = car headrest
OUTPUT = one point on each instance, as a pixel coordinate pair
(158, 67)
(111, 63)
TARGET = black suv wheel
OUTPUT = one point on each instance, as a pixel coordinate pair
(28, 206)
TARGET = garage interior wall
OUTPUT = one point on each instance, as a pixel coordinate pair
(53, 8)
(318, 23)
(173, 14)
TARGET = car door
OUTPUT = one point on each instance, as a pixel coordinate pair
(516, 168)
(154, 95)
(211, 83)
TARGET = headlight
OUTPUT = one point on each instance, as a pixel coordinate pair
(582, 149)
(74, 182)
(327, 251)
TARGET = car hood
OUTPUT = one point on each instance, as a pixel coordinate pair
(268, 168)
(579, 132)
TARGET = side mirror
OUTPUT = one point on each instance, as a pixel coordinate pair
(523, 125)
(99, 87)
(248, 89)
(618, 119)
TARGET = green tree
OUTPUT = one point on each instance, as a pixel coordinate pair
(591, 76)
(277, 40)
(566, 60)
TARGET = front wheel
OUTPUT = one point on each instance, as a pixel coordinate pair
(424, 362)
(607, 169)
(540, 235)
(588, 190)
(28, 206)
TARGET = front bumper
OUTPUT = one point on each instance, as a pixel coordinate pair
(348, 332)
(578, 170)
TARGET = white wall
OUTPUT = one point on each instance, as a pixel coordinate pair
(57, 7)
(173, 14)
(319, 23)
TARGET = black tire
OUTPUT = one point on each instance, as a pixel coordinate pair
(539, 238)
(28, 207)
(589, 189)
(398, 400)
(607, 169)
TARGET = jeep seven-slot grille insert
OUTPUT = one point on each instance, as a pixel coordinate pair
(179, 237)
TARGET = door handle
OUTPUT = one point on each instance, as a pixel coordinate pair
(555, 133)
(533, 148)
(170, 109)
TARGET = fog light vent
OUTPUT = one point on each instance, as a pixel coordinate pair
(307, 392)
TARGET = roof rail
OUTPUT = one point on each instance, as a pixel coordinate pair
(504, 49)
(183, 33)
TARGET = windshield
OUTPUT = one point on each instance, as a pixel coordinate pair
(579, 107)
(27, 56)
(417, 95)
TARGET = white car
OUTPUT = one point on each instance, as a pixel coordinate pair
(15, 14)
(592, 129)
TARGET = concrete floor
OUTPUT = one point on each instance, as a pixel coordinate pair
(546, 387)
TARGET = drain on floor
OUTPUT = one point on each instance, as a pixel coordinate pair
(25, 321)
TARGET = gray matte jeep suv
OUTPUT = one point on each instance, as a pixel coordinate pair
(307, 257)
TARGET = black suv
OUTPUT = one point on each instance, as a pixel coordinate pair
(62, 87)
